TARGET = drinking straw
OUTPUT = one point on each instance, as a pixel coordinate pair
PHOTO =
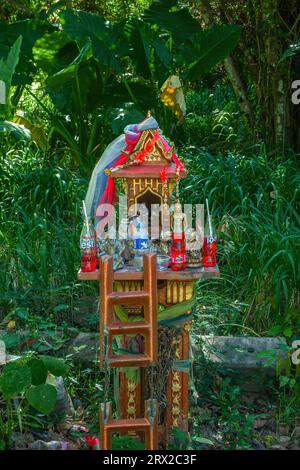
(209, 219)
(86, 218)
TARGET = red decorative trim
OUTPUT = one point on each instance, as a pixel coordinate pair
(163, 175)
(140, 156)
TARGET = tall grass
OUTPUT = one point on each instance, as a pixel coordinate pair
(40, 225)
(255, 202)
(213, 120)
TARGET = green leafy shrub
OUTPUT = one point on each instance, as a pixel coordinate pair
(213, 120)
(255, 204)
(23, 382)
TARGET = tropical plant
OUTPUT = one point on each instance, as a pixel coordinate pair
(27, 380)
(7, 70)
(96, 72)
(12, 123)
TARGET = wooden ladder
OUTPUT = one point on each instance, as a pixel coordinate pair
(148, 425)
(110, 327)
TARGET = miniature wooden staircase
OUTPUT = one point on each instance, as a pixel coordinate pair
(109, 328)
(147, 425)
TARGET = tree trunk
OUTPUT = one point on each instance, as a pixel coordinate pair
(231, 69)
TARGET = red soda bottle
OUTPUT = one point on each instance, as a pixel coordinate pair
(209, 252)
(178, 252)
(209, 249)
(88, 247)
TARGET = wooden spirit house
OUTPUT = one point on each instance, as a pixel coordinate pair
(153, 383)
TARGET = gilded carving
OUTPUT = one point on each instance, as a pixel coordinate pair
(131, 398)
(176, 398)
(178, 291)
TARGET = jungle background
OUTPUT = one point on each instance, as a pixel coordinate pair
(76, 73)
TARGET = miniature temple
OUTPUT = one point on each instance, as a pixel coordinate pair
(145, 314)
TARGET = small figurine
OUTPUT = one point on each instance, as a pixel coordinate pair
(178, 219)
(138, 229)
(178, 247)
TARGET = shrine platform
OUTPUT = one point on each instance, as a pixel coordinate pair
(129, 273)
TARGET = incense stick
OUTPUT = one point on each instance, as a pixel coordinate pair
(86, 218)
(209, 219)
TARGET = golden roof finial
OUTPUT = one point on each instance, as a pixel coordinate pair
(149, 114)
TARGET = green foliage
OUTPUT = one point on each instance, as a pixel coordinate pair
(23, 384)
(55, 366)
(28, 377)
(16, 377)
(213, 120)
(127, 443)
(91, 78)
(180, 440)
(39, 371)
(30, 30)
(206, 48)
(88, 63)
(7, 70)
(237, 426)
(42, 397)
(18, 131)
(292, 50)
(255, 201)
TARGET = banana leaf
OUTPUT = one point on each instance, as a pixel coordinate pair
(174, 311)
(165, 317)
(176, 322)
(123, 316)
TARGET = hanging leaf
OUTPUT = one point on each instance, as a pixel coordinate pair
(15, 378)
(68, 73)
(167, 15)
(37, 131)
(54, 51)
(104, 36)
(77, 88)
(42, 398)
(140, 37)
(30, 30)
(206, 48)
(292, 50)
(162, 52)
(7, 70)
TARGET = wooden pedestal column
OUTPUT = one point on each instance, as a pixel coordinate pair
(173, 287)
